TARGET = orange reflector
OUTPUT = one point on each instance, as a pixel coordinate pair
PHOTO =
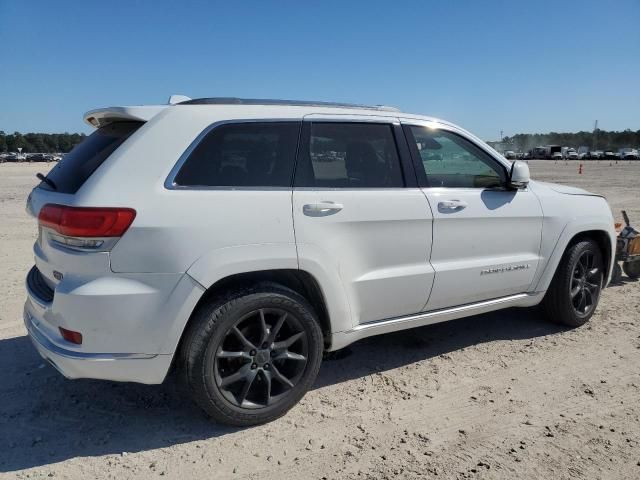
(71, 336)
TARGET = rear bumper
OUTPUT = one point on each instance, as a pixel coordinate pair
(116, 316)
(122, 367)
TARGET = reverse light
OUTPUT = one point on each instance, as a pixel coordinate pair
(86, 222)
(71, 336)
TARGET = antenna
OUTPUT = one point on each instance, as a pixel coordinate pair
(595, 136)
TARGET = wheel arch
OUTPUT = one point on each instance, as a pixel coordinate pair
(299, 281)
(603, 237)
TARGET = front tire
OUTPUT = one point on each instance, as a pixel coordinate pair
(575, 289)
(251, 357)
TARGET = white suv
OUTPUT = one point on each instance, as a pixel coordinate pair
(239, 239)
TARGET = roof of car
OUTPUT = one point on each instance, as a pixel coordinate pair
(102, 116)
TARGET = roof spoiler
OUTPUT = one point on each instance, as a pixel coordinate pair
(141, 113)
(104, 116)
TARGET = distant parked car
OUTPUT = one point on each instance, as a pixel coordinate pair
(556, 156)
(609, 155)
(36, 157)
(628, 154)
(510, 154)
(572, 155)
(596, 155)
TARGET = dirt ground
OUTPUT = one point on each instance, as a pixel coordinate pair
(504, 395)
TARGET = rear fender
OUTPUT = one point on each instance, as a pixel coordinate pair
(226, 262)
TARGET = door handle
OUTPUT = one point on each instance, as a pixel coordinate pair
(451, 205)
(321, 209)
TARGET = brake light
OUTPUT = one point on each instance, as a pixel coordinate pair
(71, 336)
(86, 221)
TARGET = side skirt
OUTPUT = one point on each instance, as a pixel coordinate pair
(342, 339)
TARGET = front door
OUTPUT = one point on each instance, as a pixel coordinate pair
(356, 220)
(486, 237)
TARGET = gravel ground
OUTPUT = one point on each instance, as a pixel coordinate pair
(504, 395)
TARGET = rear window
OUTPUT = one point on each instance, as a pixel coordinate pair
(252, 154)
(77, 166)
(350, 155)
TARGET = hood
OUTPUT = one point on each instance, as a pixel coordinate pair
(567, 190)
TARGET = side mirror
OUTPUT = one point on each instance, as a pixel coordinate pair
(519, 174)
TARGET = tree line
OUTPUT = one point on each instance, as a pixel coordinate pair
(39, 142)
(597, 140)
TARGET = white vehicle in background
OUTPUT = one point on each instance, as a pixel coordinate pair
(239, 239)
(510, 155)
(628, 154)
(556, 156)
(583, 152)
(571, 154)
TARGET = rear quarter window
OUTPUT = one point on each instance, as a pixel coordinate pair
(78, 165)
(253, 154)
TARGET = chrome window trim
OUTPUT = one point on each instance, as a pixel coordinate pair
(391, 120)
(170, 183)
(351, 189)
(350, 118)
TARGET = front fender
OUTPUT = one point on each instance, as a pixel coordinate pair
(578, 225)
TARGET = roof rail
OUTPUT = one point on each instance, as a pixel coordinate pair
(299, 103)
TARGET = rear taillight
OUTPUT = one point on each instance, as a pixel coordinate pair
(86, 221)
(81, 227)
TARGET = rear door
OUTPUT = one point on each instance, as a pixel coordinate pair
(486, 237)
(360, 217)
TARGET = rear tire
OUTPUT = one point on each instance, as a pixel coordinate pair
(250, 357)
(575, 289)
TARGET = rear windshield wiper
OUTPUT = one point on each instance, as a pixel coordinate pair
(46, 180)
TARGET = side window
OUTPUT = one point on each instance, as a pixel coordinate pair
(450, 160)
(243, 155)
(350, 155)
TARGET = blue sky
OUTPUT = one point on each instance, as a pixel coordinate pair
(515, 66)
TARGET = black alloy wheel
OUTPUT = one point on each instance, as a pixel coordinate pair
(586, 283)
(261, 358)
(250, 355)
